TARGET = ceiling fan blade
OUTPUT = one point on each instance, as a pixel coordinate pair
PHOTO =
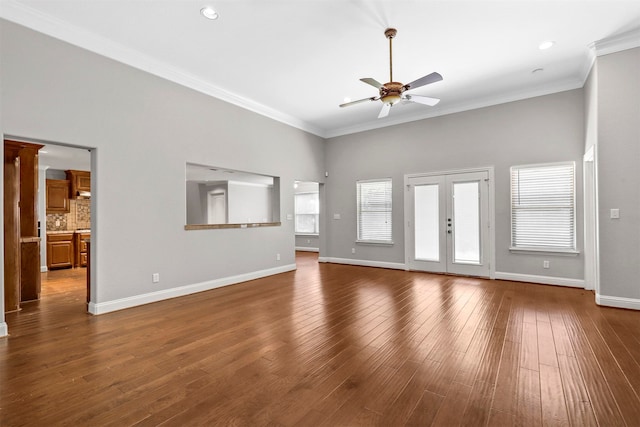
(346, 104)
(426, 100)
(372, 82)
(385, 110)
(428, 79)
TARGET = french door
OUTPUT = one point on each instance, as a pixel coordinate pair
(448, 223)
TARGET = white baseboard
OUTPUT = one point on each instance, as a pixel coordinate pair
(129, 302)
(4, 330)
(363, 262)
(43, 269)
(619, 302)
(544, 280)
(306, 249)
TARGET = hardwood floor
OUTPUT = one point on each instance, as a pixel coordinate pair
(326, 345)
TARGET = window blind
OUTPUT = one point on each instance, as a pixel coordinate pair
(543, 206)
(374, 210)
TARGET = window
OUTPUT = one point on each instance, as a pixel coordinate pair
(374, 211)
(307, 208)
(543, 207)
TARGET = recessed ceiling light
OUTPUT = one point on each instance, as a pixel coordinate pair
(546, 45)
(209, 13)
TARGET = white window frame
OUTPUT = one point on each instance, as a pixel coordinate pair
(317, 214)
(572, 249)
(360, 210)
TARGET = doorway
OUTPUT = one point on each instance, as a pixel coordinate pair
(217, 208)
(307, 217)
(63, 219)
(448, 223)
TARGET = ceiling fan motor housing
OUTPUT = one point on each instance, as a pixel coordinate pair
(391, 92)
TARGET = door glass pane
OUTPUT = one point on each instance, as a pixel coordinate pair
(426, 223)
(466, 222)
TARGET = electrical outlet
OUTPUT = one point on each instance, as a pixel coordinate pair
(277, 257)
(155, 277)
(545, 264)
(353, 250)
(308, 240)
(57, 223)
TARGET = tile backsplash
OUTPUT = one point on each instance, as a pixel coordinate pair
(78, 218)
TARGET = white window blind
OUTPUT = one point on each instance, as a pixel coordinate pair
(543, 207)
(374, 211)
(307, 208)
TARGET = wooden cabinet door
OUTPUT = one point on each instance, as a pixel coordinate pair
(80, 182)
(59, 254)
(80, 248)
(83, 182)
(57, 196)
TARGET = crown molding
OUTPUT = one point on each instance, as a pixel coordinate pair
(26, 16)
(562, 86)
(617, 43)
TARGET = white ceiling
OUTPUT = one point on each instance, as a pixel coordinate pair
(296, 60)
(61, 157)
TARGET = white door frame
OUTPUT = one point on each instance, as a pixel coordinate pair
(491, 256)
(591, 248)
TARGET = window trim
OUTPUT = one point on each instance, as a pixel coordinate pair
(541, 249)
(371, 241)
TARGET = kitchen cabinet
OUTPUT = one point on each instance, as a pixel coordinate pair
(59, 250)
(80, 248)
(57, 196)
(80, 183)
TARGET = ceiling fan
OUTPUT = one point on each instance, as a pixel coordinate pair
(393, 92)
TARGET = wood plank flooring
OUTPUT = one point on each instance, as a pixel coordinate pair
(326, 345)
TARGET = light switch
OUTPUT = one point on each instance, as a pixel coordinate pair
(615, 213)
(289, 217)
(336, 216)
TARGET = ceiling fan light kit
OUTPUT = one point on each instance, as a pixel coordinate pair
(392, 92)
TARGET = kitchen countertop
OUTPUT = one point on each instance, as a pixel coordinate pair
(68, 231)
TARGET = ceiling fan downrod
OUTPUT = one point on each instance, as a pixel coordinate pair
(390, 33)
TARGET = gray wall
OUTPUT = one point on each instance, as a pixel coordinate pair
(195, 212)
(538, 130)
(308, 242)
(144, 130)
(618, 172)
